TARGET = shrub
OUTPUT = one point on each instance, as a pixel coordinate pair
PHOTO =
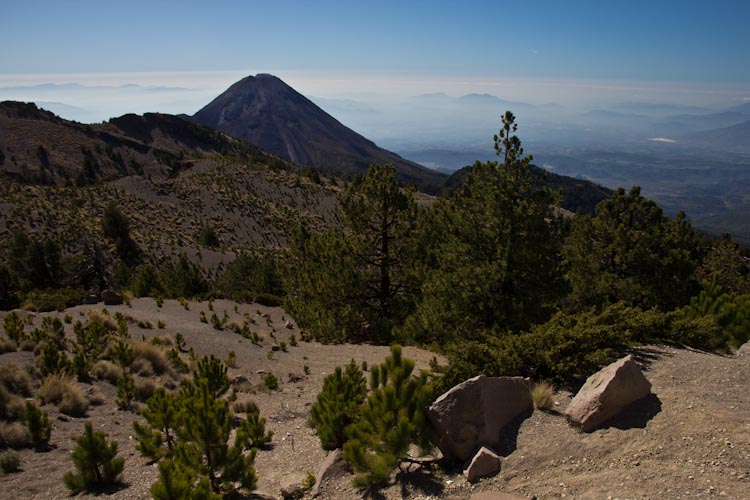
(14, 435)
(53, 360)
(89, 345)
(13, 327)
(271, 382)
(15, 379)
(74, 404)
(157, 439)
(7, 345)
(63, 391)
(10, 462)
(231, 360)
(122, 354)
(338, 405)
(154, 355)
(144, 389)
(106, 370)
(542, 394)
(125, 392)
(246, 406)
(96, 462)
(57, 299)
(255, 427)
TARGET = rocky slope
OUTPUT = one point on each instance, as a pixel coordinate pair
(694, 442)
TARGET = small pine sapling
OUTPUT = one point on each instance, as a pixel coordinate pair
(157, 439)
(391, 420)
(13, 326)
(96, 462)
(38, 423)
(125, 392)
(338, 405)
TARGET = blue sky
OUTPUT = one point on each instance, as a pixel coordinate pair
(526, 50)
(672, 40)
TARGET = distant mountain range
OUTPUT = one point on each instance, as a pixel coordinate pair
(265, 111)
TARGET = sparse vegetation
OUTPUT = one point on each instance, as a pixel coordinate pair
(96, 463)
(542, 394)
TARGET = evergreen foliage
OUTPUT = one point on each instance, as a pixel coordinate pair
(13, 327)
(116, 227)
(491, 251)
(338, 405)
(730, 310)
(391, 419)
(190, 433)
(38, 423)
(96, 462)
(125, 392)
(91, 339)
(248, 276)
(183, 279)
(628, 251)
(358, 282)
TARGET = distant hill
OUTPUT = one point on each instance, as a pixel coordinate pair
(733, 138)
(579, 196)
(170, 177)
(40, 147)
(264, 110)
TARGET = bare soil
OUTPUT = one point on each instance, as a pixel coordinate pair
(690, 440)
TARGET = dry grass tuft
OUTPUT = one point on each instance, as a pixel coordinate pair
(108, 322)
(144, 388)
(154, 355)
(74, 403)
(15, 435)
(7, 345)
(16, 380)
(247, 406)
(95, 397)
(64, 391)
(11, 406)
(106, 370)
(542, 394)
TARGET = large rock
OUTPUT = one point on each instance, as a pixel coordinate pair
(606, 393)
(474, 413)
(485, 463)
(291, 487)
(744, 350)
(333, 466)
(111, 298)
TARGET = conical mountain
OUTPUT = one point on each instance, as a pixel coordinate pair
(265, 111)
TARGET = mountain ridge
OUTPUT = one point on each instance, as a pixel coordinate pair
(265, 111)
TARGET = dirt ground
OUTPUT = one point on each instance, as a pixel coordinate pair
(690, 440)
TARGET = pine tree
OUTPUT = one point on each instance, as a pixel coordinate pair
(125, 392)
(53, 360)
(338, 405)
(491, 251)
(38, 423)
(96, 461)
(90, 342)
(357, 281)
(161, 414)
(391, 419)
(13, 327)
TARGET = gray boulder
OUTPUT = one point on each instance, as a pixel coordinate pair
(485, 463)
(606, 393)
(744, 350)
(474, 413)
(111, 298)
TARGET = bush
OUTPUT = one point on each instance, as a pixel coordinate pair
(7, 345)
(10, 462)
(13, 327)
(338, 405)
(247, 406)
(15, 379)
(255, 427)
(63, 391)
(96, 462)
(53, 360)
(144, 389)
(125, 392)
(251, 277)
(106, 370)
(542, 394)
(154, 355)
(271, 382)
(14, 435)
(57, 299)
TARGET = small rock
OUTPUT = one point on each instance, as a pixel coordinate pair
(485, 463)
(333, 466)
(289, 325)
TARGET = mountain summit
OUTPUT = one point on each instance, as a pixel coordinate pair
(265, 111)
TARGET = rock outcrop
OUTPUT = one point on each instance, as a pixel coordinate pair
(111, 298)
(474, 413)
(606, 393)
